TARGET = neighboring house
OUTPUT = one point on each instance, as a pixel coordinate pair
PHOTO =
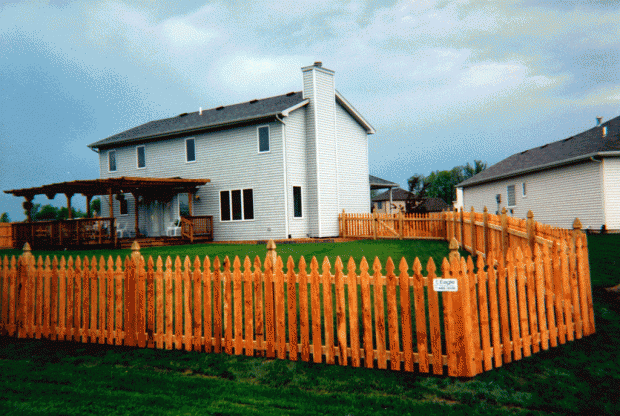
(278, 167)
(397, 201)
(575, 177)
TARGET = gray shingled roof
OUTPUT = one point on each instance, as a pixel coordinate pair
(433, 204)
(378, 183)
(581, 146)
(398, 194)
(215, 117)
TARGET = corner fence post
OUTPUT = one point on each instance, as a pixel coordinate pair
(530, 227)
(23, 276)
(462, 222)
(374, 224)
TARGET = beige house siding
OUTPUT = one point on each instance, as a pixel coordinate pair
(555, 196)
(611, 185)
(385, 207)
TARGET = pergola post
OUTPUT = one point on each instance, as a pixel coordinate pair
(88, 198)
(27, 205)
(110, 203)
(190, 198)
(136, 212)
(69, 196)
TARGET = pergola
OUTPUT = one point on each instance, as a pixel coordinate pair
(147, 188)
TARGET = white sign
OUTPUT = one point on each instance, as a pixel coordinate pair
(445, 285)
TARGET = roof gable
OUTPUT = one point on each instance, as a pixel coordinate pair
(584, 145)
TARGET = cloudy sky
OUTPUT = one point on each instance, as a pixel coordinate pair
(442, 82)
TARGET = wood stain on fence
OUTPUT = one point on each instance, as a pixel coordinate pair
(504, 309)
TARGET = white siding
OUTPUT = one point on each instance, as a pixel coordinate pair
(230, 159)
(354, 189)
(297, 172)
(555, 196)
(611, 186)
(321, 129)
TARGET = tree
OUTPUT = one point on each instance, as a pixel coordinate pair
(95, 206)
(45, 213)
(442, 183)
(5, 217)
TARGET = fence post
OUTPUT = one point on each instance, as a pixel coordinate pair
(131, 276)
(462, 221)
(531, 236)
(23, 275)
(485, 232)
(343, 231)
(505, 240)
(400, 224)
(454, 250)
(577, 228)
(472, 219)
(456, 211)
(374, 224)
(271, 253)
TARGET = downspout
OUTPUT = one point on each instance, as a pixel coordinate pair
(286, 213)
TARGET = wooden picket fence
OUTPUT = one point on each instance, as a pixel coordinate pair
(365, 316)
(6, 235)
(393, 226)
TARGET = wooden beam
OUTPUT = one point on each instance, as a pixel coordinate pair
(111, 202)
(88, 197)
(136, 212)
(190, 199)
(69, 214)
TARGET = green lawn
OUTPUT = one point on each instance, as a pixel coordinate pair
(581, 377)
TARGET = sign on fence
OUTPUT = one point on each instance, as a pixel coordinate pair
(445, 285)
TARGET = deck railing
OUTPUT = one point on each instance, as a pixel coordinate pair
(66, 233)
(197, 227)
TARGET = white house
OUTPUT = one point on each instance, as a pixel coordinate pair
(279, 167)
(575, 177)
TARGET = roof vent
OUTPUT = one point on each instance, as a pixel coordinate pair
(318, 64)
(290, 93)
(598, 120)
(219, 108)
(253, 101)
(604, 131)
(182, 114)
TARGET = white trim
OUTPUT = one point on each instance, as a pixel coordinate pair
(115, 161)
(336, 145)
(286, 112)
(603, 189)
(138, 158)
(230, 207)
(354, 113)
(195, 156)
(258, 138)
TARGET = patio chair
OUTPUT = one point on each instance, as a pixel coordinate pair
(174, 229)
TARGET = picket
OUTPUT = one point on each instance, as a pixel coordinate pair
(506, 310)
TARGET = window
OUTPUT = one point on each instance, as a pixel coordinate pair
(512, 201)
(523, 189)
(112, 161)
(297, 213)
(263, 139)
(190, 150)
(183, 205)
(141, 157)
(380, 205)
(237, 205)
(122, 204)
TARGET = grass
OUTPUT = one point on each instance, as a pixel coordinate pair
(580, 377)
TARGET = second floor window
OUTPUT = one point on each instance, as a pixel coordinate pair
(190, 150)
(141, 157)
(112, 161)
(263, 139)
(297, 212)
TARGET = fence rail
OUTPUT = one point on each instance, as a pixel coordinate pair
(65, 233)
(368, 315)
